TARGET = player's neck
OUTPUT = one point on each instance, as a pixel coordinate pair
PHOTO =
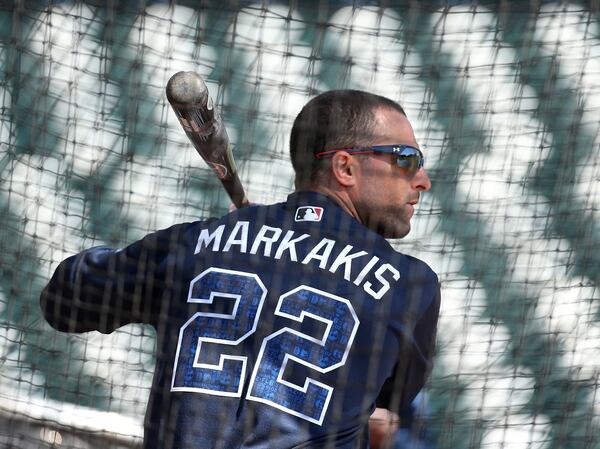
(341, 197)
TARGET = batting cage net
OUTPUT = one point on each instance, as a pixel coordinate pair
(504, 98)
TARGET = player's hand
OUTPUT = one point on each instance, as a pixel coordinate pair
(383, 424)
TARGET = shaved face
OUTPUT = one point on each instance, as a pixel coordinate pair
(386, 195)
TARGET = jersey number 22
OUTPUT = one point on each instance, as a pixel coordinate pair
(224, 375)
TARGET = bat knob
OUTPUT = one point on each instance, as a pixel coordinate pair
(187, 88)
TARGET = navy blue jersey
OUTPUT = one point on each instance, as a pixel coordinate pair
(278, 326)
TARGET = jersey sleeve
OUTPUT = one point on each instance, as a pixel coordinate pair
(415, 364)
(103, 288)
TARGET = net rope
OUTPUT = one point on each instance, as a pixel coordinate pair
(504, 99)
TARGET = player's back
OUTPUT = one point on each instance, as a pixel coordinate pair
(281, 325)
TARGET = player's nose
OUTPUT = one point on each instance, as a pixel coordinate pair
(421, 181)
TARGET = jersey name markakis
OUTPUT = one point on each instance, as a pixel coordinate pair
(272, 242)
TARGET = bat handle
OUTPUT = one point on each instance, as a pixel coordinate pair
(214, 147)
(235, 190)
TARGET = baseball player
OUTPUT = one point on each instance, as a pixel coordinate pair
(279, 326)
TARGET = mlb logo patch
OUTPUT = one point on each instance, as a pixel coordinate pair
(309, 213)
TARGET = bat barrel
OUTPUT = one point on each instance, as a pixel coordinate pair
(187, 88)
(188, 95)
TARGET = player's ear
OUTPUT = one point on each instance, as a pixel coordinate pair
(344, 168)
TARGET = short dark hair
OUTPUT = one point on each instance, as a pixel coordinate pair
(331, 120)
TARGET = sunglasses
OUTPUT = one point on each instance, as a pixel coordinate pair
(407, 157)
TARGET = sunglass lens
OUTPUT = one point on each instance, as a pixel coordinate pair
(410, 159)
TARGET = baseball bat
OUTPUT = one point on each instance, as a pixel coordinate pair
(189, 97)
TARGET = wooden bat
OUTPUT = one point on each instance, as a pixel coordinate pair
(188, 95)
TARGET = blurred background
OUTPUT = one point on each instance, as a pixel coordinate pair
(505, 100)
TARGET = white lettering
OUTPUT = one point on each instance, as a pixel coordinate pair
(241, 227)
(287, 244)
(205, 238)
(366, 270)
(321, 252)
(385, 285)
(268, 241)
(325, 245)
(346, 259)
